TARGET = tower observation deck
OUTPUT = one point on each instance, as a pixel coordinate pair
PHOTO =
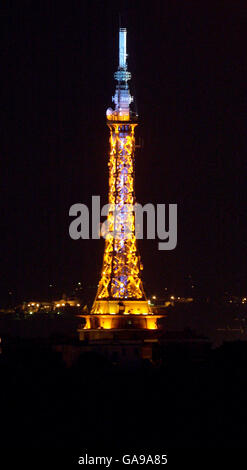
(120, 295)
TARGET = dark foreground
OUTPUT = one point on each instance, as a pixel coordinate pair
(99, 407)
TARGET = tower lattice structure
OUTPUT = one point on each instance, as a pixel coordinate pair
(120, 289)
(120, 277)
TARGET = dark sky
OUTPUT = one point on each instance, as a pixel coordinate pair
(189, 67)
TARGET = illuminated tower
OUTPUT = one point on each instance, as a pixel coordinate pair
(120, 290)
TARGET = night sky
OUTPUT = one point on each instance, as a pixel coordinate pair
(189, 68)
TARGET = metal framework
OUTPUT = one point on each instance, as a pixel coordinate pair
(120, 277)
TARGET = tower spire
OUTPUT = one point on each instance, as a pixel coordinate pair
(122, 97)
(122, 48)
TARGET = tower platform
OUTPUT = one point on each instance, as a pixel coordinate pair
(109, 321)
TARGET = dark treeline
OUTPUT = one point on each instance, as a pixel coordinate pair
(183, 403)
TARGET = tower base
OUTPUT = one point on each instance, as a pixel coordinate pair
(126, 326)
(125, 307)
(120, 322)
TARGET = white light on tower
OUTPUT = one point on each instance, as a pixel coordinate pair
(122, 47)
